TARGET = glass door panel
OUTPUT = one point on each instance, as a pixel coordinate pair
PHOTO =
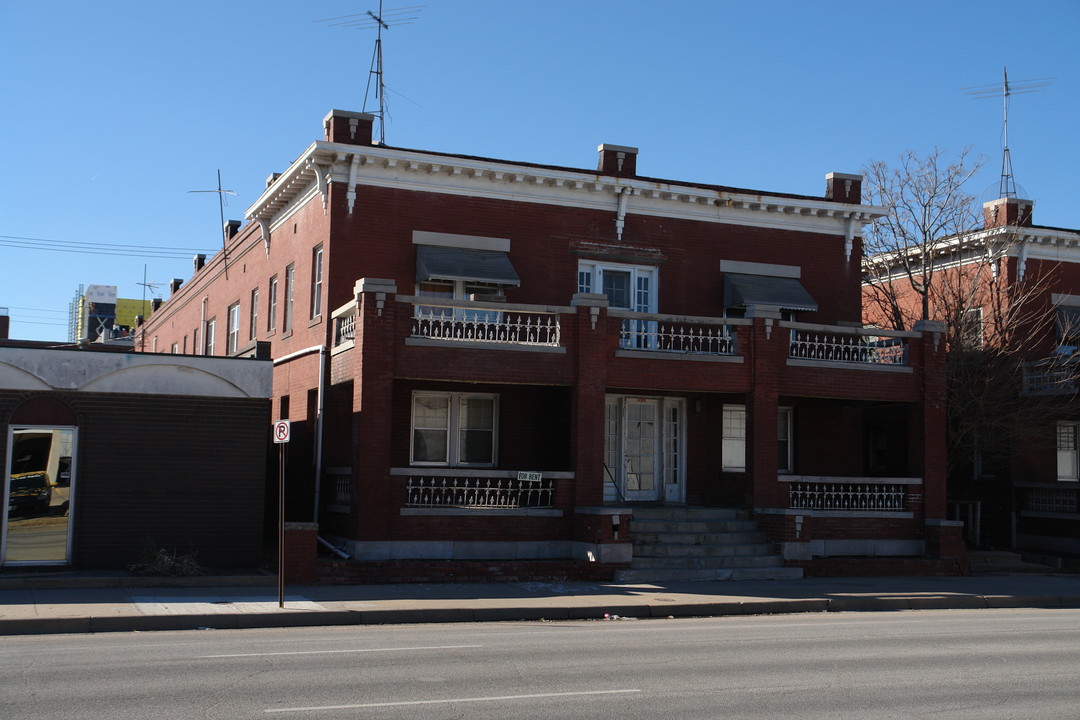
(38, 493)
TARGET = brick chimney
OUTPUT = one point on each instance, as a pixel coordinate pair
(5, 324)
(351, 128)
(617, 160)
(843, 187)
(174, 285)
(231, 228)
(198, 261)
(1007, 211)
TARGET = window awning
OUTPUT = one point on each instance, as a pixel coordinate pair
(783, 292)
(434, 262)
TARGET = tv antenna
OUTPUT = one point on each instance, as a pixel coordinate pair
(1007, 185)
(152, 285)
(221, 208)
(381, 20)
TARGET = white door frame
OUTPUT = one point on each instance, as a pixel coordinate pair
(669, 455)
(70, 488)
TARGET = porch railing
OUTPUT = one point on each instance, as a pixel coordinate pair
(848, 345)
(1052, 500)
(847, 496)
(1050, 377)
(337, 488)
(677, 334)
(345, 323)
(475, 491)
(485, 322)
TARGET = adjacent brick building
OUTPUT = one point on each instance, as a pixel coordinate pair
(1020, 282)
(495, 360)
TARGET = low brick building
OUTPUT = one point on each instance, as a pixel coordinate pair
(494, 360)
(125, 453)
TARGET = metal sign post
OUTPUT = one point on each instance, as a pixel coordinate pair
(281, 438)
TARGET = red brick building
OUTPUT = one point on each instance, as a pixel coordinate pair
(495, 360)
(1025, 494)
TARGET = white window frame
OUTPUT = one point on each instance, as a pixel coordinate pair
(733, 438)
(456, 404)
(785, 433)
(287, 299)
(316, 281)
(971, 328)
(208, 336)
(232, 329)
(1068, 458)
(271, 313)
(642, 296)
(175, 349)
(253, 330)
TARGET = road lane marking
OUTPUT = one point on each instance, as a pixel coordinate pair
(331, 652)
(494, 698)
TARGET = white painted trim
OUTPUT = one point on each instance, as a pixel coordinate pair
(457, 175)
(740, 267)
(1065, 299)
(465, 242)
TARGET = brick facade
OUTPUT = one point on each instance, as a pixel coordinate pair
(560, 395)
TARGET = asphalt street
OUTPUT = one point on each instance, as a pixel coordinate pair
(1013, 663)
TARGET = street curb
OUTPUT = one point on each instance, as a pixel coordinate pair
(326, 618)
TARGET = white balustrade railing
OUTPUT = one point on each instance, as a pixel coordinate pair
(847, 496)
(671, 335)
(462, 324)
(435, 491)
(344, 329)
(853, 347)
(1054, 500)
(1050, 377)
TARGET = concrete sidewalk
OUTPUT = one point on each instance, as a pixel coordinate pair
(104, 605)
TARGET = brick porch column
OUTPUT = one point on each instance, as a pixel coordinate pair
(592, 342)
(932, 417)
(374, 501)
(768, 353)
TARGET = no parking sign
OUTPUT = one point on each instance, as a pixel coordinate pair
(281, 431)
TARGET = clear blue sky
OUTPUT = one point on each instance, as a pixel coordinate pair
(112, 111)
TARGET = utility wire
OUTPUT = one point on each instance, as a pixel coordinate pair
(28, 243)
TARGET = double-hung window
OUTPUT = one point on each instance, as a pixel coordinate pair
(271, 310)
(454, 429)
(457, 290)
(253, 331)
(232, 334)
(1068, 329)
(211, 327)
(733, 442)
(316, 281)
(627, 287)
(290, 288)
(1068, 467)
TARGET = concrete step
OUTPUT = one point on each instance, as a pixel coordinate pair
(703, 563)
(696, 538)
(659, 550)
(668, 575)
(688, 514)
(691, 526)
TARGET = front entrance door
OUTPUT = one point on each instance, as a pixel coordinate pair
(39, 487)
(643, 449)
(640, 449)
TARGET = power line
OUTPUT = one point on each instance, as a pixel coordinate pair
(12, 307)
(96, 248)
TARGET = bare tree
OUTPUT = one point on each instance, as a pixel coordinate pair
(926, 211)
(929, 258)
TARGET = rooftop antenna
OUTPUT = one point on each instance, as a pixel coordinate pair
(1007, 185)
(381, 20)
(152, 285)
(221, 208)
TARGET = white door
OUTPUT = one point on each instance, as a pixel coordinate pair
(640, 446)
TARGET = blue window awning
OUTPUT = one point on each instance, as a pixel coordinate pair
(434, 262)
(786, 293)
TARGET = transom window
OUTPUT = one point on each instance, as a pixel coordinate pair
(455, 429)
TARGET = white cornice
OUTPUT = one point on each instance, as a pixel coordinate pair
(352, 165)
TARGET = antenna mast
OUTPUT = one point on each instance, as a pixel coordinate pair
(1007, 184)
(381, 20)
(221, 209)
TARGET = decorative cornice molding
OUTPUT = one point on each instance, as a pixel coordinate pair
(426, 172)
